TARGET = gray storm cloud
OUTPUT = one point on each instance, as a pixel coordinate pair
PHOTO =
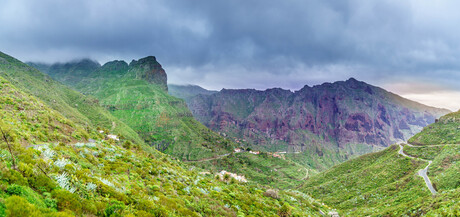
(241, 43)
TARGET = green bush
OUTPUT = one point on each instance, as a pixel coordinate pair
(114, 209)
(15, 190)
(285, 210)
(66, 200)
(18, 206)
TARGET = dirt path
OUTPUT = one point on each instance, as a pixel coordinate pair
(306, 175)
(422, 172)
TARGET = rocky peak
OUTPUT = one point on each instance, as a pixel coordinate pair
(355, 84)
(150, 70)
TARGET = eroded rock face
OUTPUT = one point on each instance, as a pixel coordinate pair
(150, 70)
(340, 113)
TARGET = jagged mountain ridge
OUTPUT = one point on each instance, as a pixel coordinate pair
(340, 113)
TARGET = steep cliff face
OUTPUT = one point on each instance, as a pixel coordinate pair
(338, 114)
(150, 70)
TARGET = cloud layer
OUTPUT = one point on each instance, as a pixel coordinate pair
(256, 44)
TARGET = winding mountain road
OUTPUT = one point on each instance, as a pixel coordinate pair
(422, 172)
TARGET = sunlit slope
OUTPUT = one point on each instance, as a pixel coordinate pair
(83, 110)
(445, 131)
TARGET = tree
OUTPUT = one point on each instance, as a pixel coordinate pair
(285, 210)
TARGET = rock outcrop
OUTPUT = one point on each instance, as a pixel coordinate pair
(150, 70)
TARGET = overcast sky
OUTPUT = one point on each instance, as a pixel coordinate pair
(409, 47)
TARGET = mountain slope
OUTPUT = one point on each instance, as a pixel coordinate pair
(388, 183)
(136, 93)
(446, 130)
(385, 184)
(187, 91)
(58, 173)
(338, 119)
(84, 111)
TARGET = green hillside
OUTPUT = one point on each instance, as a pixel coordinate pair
(135, 94)
(83, 110)
(445, 131)
(386, 184)
(264, 169)
(48, 168)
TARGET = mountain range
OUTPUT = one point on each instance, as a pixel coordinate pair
(347, 117)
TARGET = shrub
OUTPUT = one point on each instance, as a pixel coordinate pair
(15, 190)
(272, 193)
(42, 183)
(114, 208)
(127, 144)
(285, 210)
(160, 212)
(226, 177)
(51, 203)
(18, 206)
(67, 200)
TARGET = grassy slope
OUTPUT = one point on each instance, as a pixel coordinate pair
(263, 168)
(108, 178)
(385, 183)
(370, 184)
(83, 110)
(445, 167)
(445, 131)
(30, 121)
